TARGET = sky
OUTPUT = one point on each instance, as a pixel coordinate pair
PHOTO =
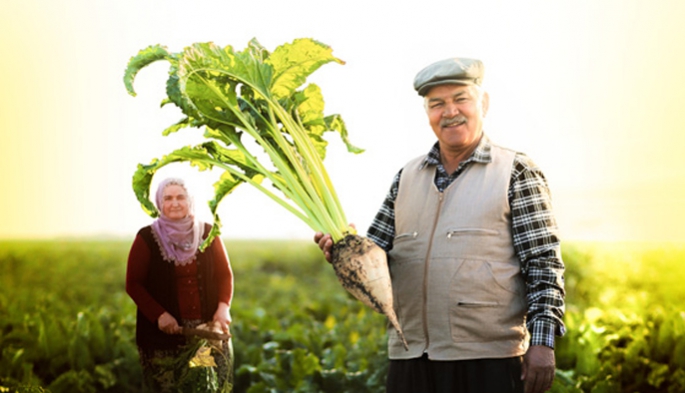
(590, 90)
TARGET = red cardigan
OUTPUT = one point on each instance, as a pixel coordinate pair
(186, 292)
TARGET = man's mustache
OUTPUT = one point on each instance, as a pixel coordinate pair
(459, 119)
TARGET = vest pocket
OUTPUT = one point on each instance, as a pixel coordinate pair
(405, 236)
(406, 243)
(471, 232)
(476, 304)
(487, 302)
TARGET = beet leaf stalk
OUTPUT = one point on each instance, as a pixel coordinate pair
(251, 98)
(252, 93)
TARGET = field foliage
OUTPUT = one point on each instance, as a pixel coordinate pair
(67, 325)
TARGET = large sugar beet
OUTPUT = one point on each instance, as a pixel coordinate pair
(362, 269)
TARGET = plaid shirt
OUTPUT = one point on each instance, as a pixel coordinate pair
(534, 233)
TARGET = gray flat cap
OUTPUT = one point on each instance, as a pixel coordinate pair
(457, 71)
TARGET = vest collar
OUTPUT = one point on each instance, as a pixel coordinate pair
(481, 155)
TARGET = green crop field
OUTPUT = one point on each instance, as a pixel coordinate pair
(67, 325)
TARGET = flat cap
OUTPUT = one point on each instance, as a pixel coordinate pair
(457, 71)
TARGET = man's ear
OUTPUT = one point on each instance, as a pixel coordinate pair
(486, 103)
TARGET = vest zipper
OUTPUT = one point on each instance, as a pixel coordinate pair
(425, 271)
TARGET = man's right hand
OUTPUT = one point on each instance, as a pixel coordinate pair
(325, 243)
(537, 370)
(168, 324)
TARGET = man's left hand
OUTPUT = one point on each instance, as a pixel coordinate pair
(538, 367)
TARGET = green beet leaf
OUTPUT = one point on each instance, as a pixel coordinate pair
(257, 95)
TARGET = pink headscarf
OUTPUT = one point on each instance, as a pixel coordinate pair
(178, 240)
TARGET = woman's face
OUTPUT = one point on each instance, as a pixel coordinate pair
(175, 202)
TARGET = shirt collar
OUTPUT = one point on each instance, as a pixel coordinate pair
(481, 154)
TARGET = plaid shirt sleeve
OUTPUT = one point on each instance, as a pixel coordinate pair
(538, 248)
(382, 229)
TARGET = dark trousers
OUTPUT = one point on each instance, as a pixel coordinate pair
(421, 375)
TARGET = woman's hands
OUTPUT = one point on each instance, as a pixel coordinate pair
(168, 324)
(222, 316)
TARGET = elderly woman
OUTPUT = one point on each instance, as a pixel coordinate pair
(175, 285)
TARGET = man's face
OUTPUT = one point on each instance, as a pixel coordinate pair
(456, 113)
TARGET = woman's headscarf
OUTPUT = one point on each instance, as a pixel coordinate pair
(178, 240)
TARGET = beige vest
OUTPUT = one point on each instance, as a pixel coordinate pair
(457, 283)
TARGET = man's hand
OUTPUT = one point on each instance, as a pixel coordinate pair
(168, 324)
(537, 370)
(325, 243)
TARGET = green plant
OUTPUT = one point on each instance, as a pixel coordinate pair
(252, 93)
(328, 340)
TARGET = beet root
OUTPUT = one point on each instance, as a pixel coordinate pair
(362, 269)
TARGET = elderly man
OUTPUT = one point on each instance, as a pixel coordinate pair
(473, 253)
